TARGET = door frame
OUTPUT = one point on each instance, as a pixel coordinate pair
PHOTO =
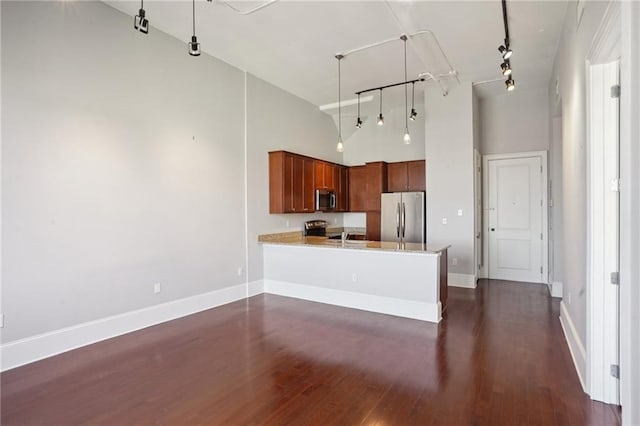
(542, 155)
(603, 310)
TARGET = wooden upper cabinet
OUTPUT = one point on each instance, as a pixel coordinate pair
(357, 189)
(416, 175)
(406, 176)
(324, 175)
(376, 184)
(291, 183)
(341, 184)
(309, 190)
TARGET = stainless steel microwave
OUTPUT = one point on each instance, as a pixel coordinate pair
(325, 200)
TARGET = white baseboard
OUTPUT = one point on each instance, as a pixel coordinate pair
(576, 347)
(255, 287)
(461, 280)
(385, 305)
(556, 289)
(24, 351)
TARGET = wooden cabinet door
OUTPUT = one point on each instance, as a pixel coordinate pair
(357, 189)
(341, 186)
(397, 177)
(328, 176)
(319, 174)
(298, 184)
(376, 184)
(373, 226)
(288, 204)
(416, 175)
(308, 185)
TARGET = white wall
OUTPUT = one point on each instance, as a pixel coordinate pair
(629, 214)
(383, 143)
(449, 155)
(569, 70)
(279, 120)
(122, 167)
(515, 122)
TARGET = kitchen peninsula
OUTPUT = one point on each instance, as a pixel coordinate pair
(402, 279)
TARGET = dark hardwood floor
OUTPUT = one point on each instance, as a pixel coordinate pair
(499, 357)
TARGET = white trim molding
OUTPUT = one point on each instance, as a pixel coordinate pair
(543, 155)
(423, 311)
(255, 287)
(30, 349)
(556, 289)
(462, 280)
(576, 347)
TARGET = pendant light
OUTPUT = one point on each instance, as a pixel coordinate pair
(413, 114)
(359, 121)
(407, 136)
(380, 117)
(141, 23)
(194, 46)
(340, 147)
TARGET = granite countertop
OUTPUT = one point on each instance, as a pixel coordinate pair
(296, 239)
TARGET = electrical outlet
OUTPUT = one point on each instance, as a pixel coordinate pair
(454, 261)
(157, 288)
(459, 212)
(240, 271)
(444, 221)
(286, 223)
(354, 277)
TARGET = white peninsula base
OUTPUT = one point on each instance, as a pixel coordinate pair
(401, 283)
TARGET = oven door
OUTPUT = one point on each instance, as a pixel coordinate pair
(325, 200)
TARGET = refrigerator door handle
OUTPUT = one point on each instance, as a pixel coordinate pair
(404, 219)
(398, 220)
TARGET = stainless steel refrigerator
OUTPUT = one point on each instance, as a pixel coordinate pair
(403, 217)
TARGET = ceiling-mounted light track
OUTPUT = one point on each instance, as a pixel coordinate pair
(194, 46)
(140, 22)
(505, 50)
(435, 77)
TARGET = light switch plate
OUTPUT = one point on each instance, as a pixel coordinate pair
(459, 212)
(444, 221)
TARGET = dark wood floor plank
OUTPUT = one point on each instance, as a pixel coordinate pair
(498, 358)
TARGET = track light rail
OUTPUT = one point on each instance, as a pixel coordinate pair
(390, 85)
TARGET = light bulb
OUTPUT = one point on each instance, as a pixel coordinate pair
(413, 115)
(359, 123)
(510, 83)
(380, 120)
(340, 147)
(407, 137)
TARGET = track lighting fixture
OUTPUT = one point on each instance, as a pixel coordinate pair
(505, 51)
(413, 114)
(340, 146)
(407, 136)
(194, 46)
(141, 23)
(510, 83)
(506, 67)
(380, 117)
(359, 121)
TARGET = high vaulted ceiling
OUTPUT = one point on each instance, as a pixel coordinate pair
(292, 44)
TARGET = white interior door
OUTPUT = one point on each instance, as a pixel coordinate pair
(515, 203)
